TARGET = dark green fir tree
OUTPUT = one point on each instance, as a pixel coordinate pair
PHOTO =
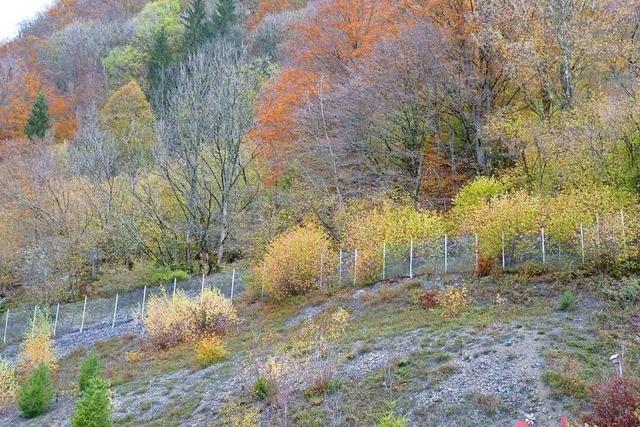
(197, 28)
(224, 17)
(38, 122)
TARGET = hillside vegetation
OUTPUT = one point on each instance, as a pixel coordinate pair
(143, 142)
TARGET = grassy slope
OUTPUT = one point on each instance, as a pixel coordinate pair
(489, 365)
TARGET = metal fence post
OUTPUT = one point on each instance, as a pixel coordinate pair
(340, 267)
(33, 321)
(355, 266)
(544, 254)
(503, 260)
(598, 233)
(477, 255)
(115, 311)
(84, 310)
(55, 323)
(384, 260)
(411, 259)
(446, 254)
(175, 281)
(233, 282)
(582, 242)
(144, 301)
(321, 267)
(624, 238)
(6, 325)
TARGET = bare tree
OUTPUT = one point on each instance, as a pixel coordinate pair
(94, 155)
(389, 110)
(203, 150)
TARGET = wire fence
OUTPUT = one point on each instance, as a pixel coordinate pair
(92, 314)
(359, 266)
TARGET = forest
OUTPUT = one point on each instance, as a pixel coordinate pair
(172, 137)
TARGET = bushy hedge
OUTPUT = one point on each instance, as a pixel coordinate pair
(292, 262)
(177, 318)
(368, 229)
(519, 213)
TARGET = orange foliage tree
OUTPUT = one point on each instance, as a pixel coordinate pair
(22, 94)
(332, 37)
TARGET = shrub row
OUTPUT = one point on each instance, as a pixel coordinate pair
(305, 256)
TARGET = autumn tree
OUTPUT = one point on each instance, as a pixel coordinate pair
(38, 122)
(326, 44)
(128, 115)
(388, 116)
(204, 154)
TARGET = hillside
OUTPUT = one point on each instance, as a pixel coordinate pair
(493, 364)
(311, 212)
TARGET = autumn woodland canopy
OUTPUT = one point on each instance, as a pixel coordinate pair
(186, 134)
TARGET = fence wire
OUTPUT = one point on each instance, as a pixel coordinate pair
(610, 237)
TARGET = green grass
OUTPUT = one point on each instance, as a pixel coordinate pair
(564, 385)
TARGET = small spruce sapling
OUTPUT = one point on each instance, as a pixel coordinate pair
(91, 368)
(94, 407)
(37, 393)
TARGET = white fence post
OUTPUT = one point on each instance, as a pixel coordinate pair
(477, 255)
(582, 242)
(411, 259)
(175, 281)
(321, 267)
(446, 254)
(33, 321)
(340, 267)
(115, 311)
(55, 323)
(84, 310)
(233, 282)
(144, 301)
(503, 260)
(202, 285)
(6, 325)
(598, 233)
(355, 266)
(624, 237)
(544, 254)
(384, 260)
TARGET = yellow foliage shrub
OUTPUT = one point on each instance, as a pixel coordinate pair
(168, 319)
(317, 332)
(213, 313)
(134, 357)
(8, 385)
(237, 414)
(513, 214)
(294, 260)
(475, 194)
(454, 301)
(37, 347)
(210, 349)
(520, 214)
(367, 230)
(173, 319)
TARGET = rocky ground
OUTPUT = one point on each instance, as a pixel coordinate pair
(485, 368)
